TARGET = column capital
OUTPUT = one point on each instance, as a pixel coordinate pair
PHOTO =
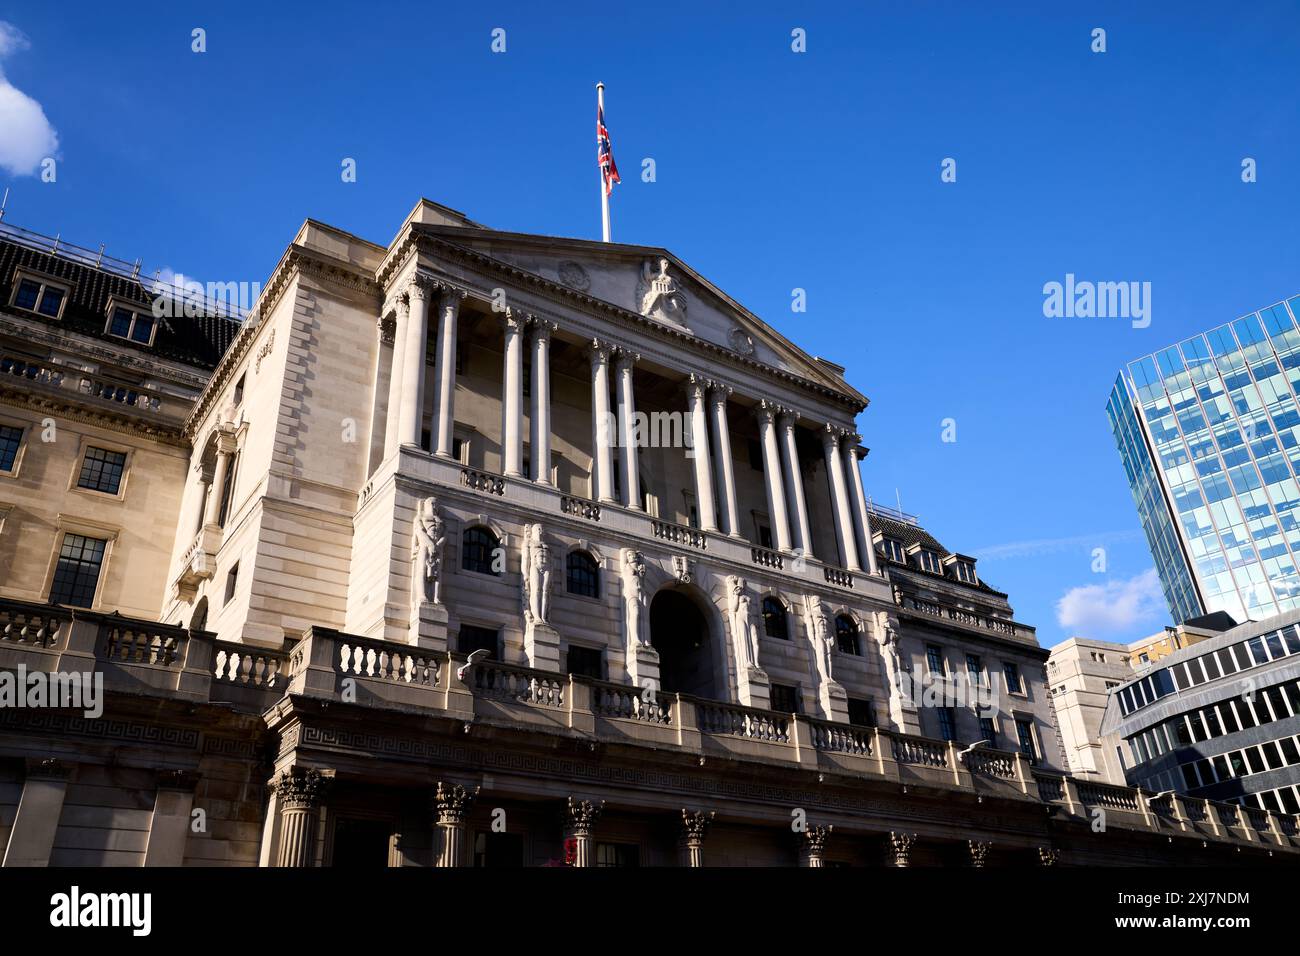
(599, 352)
(450, 292)
(695, 825)
(542, 328)
(815, 839)
(625, 358)
(979, 852)
(515, 320)
(420, 287)
(387, 328)
(47, 768)
(696, 385)
(900, 846)
(403, 305)
(453, 801)
(581, 815)
(766, 412)
(719, 393)
(183, 780)
(833, 435)
(302, 789)
(786, 417)
(1048, 856)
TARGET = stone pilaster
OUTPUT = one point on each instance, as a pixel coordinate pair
(169, 827)
(299, 794)
(393, 412)
(32, 836)
(453, 802)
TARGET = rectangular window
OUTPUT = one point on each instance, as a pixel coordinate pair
(947, 723)
(232, 581)
(618, 854)
(785, 698)
(11, 439)
(132, 325)
(1011, 674)
(77, 573)
(472, 638)
(934, 659)
(893, 550)
(101, 470)
(239, 391)
(37, 295)
(988, 730)
(975, 668)
(584, 662)
(1025, 732)
(862, 712)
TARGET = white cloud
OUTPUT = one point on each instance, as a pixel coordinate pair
(1038, 546)
(1125, 608)
(28, 136)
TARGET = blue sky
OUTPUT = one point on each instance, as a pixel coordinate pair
(775, 170)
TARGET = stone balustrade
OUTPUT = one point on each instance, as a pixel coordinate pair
(144, 658)
(971, 619)
(680, 534)
(767, 558)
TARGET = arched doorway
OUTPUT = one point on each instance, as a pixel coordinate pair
(679, 631)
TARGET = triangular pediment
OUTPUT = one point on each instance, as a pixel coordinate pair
(653, 283)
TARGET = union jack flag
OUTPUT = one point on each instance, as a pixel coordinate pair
(605, 152)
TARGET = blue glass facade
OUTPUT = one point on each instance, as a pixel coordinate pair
(1209, 433)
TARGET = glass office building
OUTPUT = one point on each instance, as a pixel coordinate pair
(1209, 433)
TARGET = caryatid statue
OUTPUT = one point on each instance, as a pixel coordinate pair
(819, 631)
(634, 599)
(536, 575)
(426, 553)
(887, 636)
(743, 629)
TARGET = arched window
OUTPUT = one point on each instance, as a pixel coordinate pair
(582, 574)
(846, 635)
(774, 621)
(478, 551)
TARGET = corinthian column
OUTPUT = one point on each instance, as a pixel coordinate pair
(393, 416)
(299, 794)
(444, 372)
(813, 850)
(839, 497)
(602, 436)
(580, 820)
(696, 387)
(690, 846)
(794, 482)
(512, 397)
(540, 420)
(900, 848)
(723, 468)
(766, 412)
(453, 802)
(861, 521)
(627, 435)
(417, 334)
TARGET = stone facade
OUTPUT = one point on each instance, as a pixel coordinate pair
(486, 549)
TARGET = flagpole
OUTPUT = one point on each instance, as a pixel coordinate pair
(604, 194)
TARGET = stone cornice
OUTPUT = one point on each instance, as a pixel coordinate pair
(435, 244)
(69, 410)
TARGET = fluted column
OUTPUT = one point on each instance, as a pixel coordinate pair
(540, 420)
(900, 848)
(793, 475)
(453, 802)
(602, 436)
(444, 372)
(723, 467)
(417, 334)
(580, 820)
(299, 794)
(813, 849)
(690, 845)
(766, 413)
(627, 435)
(512, 395)
(696, 388)
(839, 498)
(393, 414)
(861, 521)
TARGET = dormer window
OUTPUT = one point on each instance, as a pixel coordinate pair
(35, 293)
(927, 560)
(962, 568)
(133, 323)
(892, 550)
